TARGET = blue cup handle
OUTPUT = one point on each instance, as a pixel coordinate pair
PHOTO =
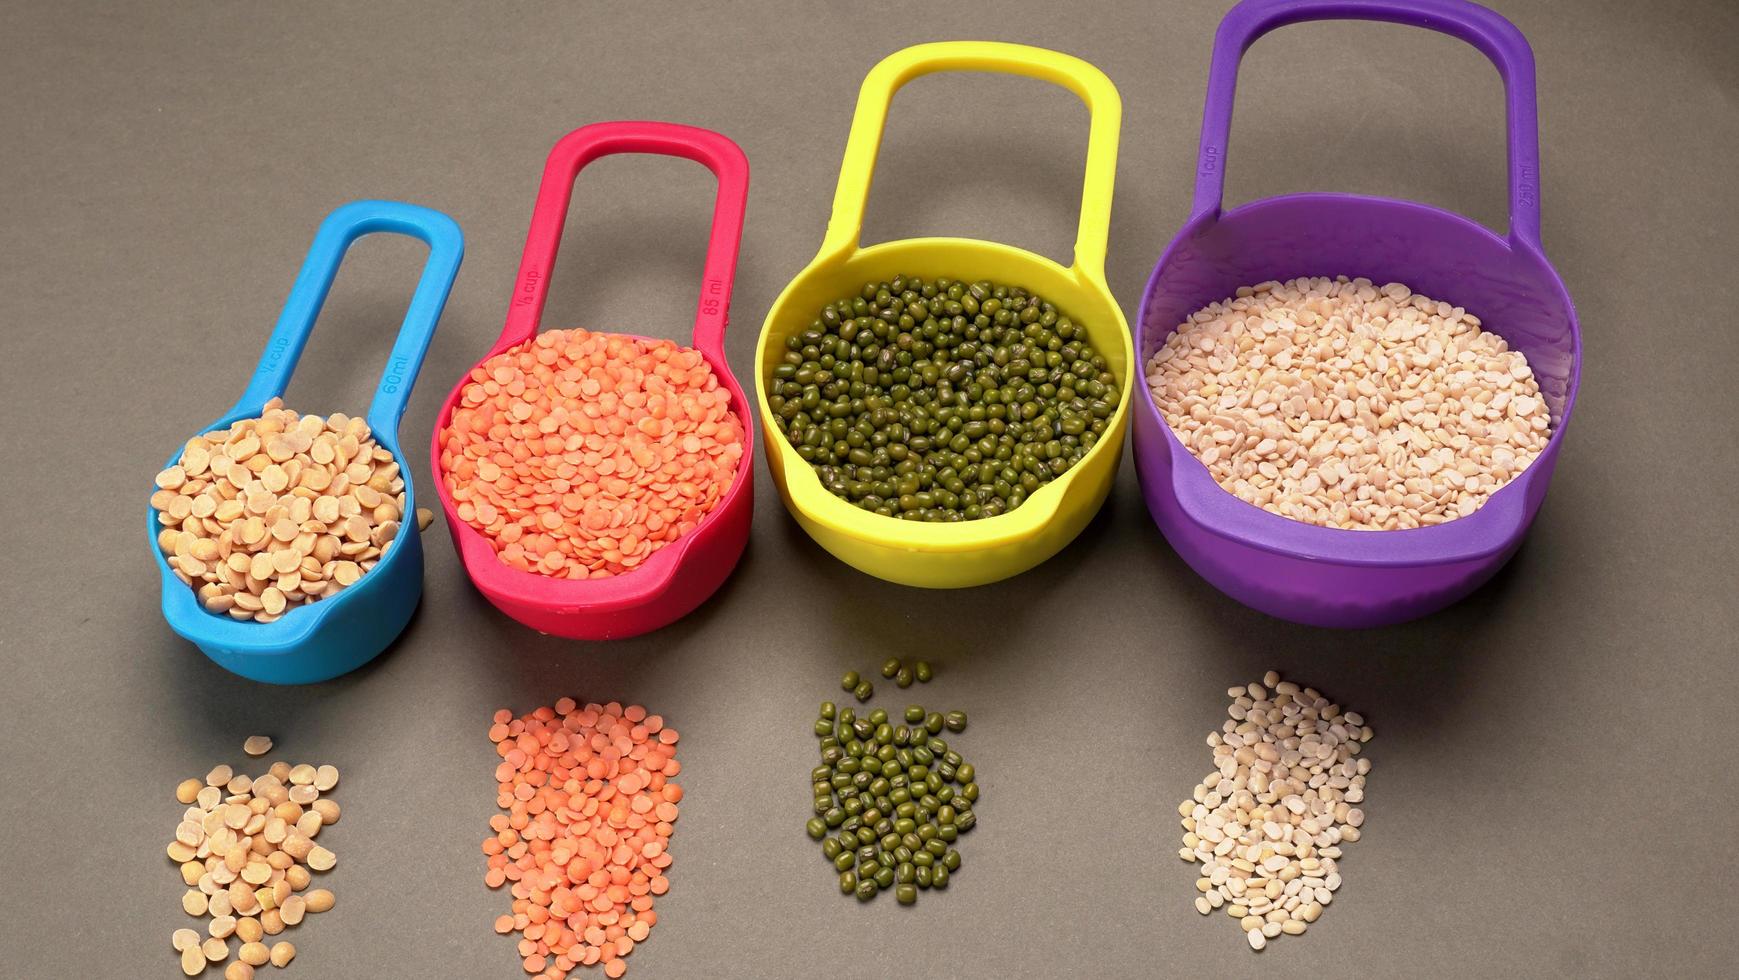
(341, 228)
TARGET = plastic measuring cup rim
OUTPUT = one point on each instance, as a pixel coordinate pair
(1495, 526)
(813, 501)
(636, 586)
(299, 624)
(1201, 223)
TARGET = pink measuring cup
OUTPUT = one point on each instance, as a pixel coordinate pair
(680, 576)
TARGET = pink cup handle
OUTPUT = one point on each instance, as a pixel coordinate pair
(580, 147)
(1495, 37)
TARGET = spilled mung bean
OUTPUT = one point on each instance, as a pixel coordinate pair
(890, 800)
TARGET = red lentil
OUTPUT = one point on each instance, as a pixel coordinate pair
(579, 454)
(584, 840)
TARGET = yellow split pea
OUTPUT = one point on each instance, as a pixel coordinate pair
(278, 511)
(244, 848)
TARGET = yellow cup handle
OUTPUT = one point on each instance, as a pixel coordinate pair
(1104, 109)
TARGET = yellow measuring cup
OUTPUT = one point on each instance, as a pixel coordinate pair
(966, 553)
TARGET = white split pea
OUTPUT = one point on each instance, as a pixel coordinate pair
(1340, 403)
(1267, 825)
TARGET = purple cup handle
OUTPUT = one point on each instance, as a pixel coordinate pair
(1494, 36)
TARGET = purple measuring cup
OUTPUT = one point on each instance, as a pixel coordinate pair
(1329, 576)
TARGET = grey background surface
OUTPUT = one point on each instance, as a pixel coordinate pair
(1554, 780)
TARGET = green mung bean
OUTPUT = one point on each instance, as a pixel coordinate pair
(890, 799)
(941, 400)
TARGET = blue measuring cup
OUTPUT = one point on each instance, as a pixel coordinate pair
(322, 639)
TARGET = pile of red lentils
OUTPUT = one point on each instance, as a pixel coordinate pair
(583, 842)
(580, 454)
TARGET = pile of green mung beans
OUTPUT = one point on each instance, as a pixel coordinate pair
(941, 400)
(891, 799)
